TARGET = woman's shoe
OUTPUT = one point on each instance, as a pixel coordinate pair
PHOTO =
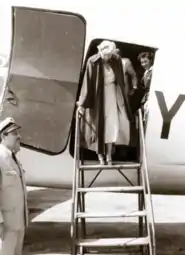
(101, 159)
(109, 160)
(102, 162)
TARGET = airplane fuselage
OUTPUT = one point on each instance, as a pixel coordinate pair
(165, 139)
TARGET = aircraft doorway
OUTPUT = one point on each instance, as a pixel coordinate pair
(137, 60)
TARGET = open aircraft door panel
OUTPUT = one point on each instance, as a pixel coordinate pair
(45, 65)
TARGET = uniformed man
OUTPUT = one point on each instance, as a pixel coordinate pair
(13, 200)
(146, 59)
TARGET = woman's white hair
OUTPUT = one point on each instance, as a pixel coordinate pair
(111, 45)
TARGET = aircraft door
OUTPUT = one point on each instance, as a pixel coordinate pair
(45, 64)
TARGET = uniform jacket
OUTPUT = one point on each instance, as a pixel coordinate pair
(13, 195)
(145, 82)
(91, 98)
(130, 77)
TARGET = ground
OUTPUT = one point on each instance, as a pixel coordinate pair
(49, 231)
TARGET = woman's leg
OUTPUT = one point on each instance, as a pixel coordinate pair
(109, 153)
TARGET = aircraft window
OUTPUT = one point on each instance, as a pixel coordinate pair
(47, 53)
(137, 62)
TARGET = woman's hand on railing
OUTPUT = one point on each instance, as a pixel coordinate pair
(80, 109)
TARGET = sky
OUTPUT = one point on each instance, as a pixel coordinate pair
(162, 17)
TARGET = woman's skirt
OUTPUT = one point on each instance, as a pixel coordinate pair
(117, 128)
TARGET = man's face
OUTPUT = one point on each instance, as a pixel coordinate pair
(145, 63)
(13, 140)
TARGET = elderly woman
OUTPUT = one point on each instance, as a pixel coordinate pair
(104, 103)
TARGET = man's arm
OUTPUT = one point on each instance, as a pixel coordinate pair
(130, 70)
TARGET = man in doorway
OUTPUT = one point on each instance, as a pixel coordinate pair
(146, 59)
(13, 199)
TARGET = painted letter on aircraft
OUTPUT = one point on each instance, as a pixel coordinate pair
(168, 115)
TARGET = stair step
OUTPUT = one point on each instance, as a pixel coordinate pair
(111, 215)
(113, 242)
(130, 189)
(126, 166)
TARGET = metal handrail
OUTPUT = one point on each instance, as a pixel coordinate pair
(144, 172)
(75, 172)
(145, 175)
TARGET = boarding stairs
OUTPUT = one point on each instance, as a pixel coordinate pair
(144, 241)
